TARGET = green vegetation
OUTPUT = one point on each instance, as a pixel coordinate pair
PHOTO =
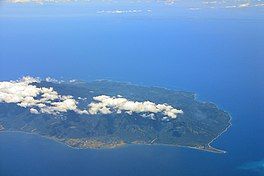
(199, 124)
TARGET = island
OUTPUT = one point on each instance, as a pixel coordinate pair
(109, 114)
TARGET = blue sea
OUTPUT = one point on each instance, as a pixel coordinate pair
(216, 53)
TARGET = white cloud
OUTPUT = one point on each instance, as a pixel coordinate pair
(24, 94)
(53, 80)
(49, 94)
(105, 104)
(151, 116)
(18, 91)
(46, 100)
(34, 111)
(259, 5)
(72, 80)
(67, 104)
(122, 11)
(244, 5)
(229, 7)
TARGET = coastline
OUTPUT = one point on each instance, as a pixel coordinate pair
(96, 144)
(209, 149)
(225, 130)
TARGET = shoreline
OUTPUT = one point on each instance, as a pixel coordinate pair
(209, 149)
(224, 131)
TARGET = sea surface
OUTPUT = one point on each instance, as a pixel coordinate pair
(216, 53)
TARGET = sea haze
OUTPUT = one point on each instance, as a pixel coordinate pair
(216, 53)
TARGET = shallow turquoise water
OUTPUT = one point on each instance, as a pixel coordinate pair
(257, 166)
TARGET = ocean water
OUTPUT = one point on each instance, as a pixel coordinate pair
(216, 53)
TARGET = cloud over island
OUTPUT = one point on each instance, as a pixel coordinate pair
(46, 100)
(105, 103)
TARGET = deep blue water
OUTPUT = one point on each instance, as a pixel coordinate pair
(217, 54)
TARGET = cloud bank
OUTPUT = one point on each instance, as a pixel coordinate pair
(24, 94)
(46, 100)
(105, 104)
